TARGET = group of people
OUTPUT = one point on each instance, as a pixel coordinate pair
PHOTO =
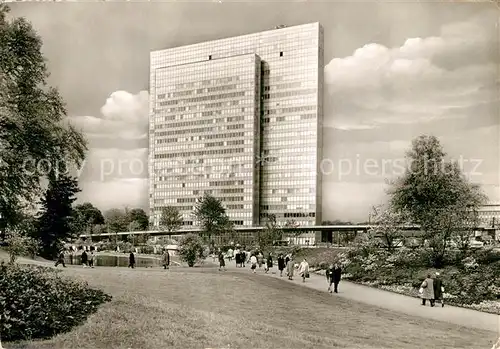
(432, 289)
(88, 259)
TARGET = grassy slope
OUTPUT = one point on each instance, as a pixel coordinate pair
(201, 308)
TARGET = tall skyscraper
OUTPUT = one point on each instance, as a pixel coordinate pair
(241, 119)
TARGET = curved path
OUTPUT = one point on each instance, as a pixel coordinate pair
(390, 300)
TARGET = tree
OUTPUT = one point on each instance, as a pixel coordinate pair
(191, 249)
(211, 215)
(34, 129)
(387, 226)
(171, 219)
(434, 194)
(20, 244)
(270, 234)
(86, 216)
(116, 220)
(134, 226)
(55, 220)
(138, 215)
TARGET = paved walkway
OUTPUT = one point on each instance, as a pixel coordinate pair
(390, 300)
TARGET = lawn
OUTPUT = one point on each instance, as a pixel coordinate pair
(203, 308)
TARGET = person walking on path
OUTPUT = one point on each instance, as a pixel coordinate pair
(281, 264)
(427, 290)
(289, 268)
(260, 259)
(131, 260)
(91, 259)
(60, 259)
(85, 259)
(222, 262)
(237, 257)
(333, 276)
(287, 259)
(438, 289)
(253, 262)
(230, 254)
(304, 270)
(166, 259)
(269, 262)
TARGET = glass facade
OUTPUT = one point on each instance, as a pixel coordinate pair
(240, 118)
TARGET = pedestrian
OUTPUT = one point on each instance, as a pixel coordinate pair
(85, 259)
(253, 262)
(427, 290)
(230, 254)
(269, 262)
(333, 275)
(237, 256)
(260, 259)
(91, 259)
(60, 259)
(287, 258)
(438, 289)
(131, 260)
(289, 268)
(166, 259)
(222, 262)
(281, 264)
(304, 270)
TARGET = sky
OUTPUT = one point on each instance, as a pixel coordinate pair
(393, 71)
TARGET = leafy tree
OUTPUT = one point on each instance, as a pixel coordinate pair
(191, 249)
(134, 226)
(435, 194)
(33, 124)
(387, 226)
(86, 216)
(116, 220)
(20, 244)
(138, 215)
(55, 221)
(171, 219)
(212, 216)
(271, 233)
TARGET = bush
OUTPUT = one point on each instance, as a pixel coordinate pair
(19, 244)
(191, 249)
(36, 302)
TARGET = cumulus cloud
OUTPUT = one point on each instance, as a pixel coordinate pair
(115, 172)
(422, 80)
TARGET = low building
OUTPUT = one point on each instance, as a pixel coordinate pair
(489, 215)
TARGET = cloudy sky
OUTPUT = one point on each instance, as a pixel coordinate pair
(393, 71)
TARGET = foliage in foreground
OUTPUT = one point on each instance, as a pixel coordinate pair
(191, 249)
(36, 302)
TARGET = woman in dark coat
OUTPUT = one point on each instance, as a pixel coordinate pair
(131, 260)
(222, 262)
(281, 264)
(333, 275)
(269, 262)
(85, 259)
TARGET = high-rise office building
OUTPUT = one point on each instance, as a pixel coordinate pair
(241, 119)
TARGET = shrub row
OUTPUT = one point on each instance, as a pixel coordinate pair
(37, 302)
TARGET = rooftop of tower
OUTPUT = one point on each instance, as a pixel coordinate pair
(280, 26)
